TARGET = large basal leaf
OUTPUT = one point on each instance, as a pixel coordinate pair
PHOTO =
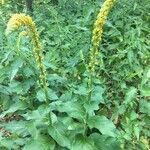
(103, 142)
(82, 143)
(16, 127)
(8, 143)
(73, 108)
(38, 120)
(104, 125)
(39, 115)
(73, 126)
(41, 95)
(41, 142)
(58, 132)
(18, 105)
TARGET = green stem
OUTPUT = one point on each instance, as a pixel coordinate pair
(90, 86)
(41, 68)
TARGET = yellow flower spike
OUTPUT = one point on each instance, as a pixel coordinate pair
(96, 39)
(18, 20)
(23, 20)
(98, 31)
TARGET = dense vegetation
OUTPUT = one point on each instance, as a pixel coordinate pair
(50, 97)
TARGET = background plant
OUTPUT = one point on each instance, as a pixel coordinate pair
(121, 85)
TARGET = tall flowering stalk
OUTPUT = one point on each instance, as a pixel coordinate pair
(19, 20)
(96, 39)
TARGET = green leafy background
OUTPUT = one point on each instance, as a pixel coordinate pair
(119, 115)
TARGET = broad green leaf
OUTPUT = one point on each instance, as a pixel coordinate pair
(8, 143)
(67, 96)
(33, 115)
(16, 127)
(81, 90)
(130, 95)
(28, 71)
(58, 132)
(73, 108)
(145, 90)
(56, 78)
(5, 90)
(81, 142)
(104, 125)
(52, 95)
(40, 114)
(16, 87)
(97, 95)
(42, 97)
(5, 101)
(91, 107)
(18, 105)
(74, 127)
(133, 115)
(41, 142)
(15, 67)
(38, 120)
(103, 142)
(144, 106)
(27, 84)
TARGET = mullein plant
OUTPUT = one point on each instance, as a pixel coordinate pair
(23, 20)
(94, 51)
(96, 39)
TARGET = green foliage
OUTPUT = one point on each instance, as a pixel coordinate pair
(117, 115)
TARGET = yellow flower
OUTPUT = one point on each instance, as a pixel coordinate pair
(19, 20)
(101, 19)
(98, 31)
